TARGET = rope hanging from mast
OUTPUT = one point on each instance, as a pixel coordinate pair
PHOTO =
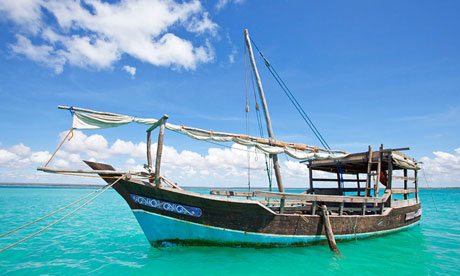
(259, 119)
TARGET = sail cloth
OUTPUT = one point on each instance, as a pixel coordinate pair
(97, 121)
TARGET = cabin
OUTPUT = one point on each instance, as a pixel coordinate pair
(365, 184)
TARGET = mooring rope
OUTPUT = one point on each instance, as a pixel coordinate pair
(43, 229)
(57, 211)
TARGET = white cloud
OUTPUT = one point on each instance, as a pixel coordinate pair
(223, 3)
(95, 34)
(7, 156)
(20, 156)
(442, 170)
(130, 70)
(218, 166)
(20, 149)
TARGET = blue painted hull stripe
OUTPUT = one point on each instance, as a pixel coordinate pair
(158, 227)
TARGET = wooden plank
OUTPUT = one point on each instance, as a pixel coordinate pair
(334, 180)
(332, 189)
(403, 191)
(170, 183)
(329, 232)
(405, 178)
(320, 198)
(231, 193)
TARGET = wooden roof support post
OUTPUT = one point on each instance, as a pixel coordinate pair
(416, 186)
(149, 154)
(405, 182)
(379, 169)
(267, 117)
(159, 150)
(311, 176)
(358, 184)
(390, 179)
(367, 192)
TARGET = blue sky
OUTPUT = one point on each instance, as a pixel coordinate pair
(366, 72)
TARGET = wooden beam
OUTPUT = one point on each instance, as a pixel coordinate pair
(311, 174)
(149, 153)
(328, 228)
(379, 169)
(357, 183)
(390, 179)
(103, 172)
(405, 178)
(231, 193)
(416, 186)
(403, 191)
(369, 168)
(159, 151)
(405, 182)
(334, 180)
(322, 198)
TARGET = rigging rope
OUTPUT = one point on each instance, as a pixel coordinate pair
(299, 108)
(293, 100)
(259, 123)
(50, 225)
(63, 140)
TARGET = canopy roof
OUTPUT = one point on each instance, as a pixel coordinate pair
(88, 119)
(358, 162)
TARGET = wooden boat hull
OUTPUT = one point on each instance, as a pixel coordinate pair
(169, 215)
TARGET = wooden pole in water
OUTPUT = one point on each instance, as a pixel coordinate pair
(267, 117)
(329, 233)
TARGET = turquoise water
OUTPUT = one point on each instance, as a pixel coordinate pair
(104, 238)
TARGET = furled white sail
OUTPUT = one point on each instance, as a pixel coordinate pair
(97, 121)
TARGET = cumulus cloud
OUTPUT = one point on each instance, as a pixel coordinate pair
(20, 156)
(225, 166)
(130, 70)
(443, 169)
(95, 34)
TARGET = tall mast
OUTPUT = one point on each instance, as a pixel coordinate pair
(267, 116)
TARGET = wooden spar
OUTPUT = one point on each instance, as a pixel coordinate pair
(328, 228)
(159, 150)
(267, 115)
(87, 110)
(271, 142)
(104, 172)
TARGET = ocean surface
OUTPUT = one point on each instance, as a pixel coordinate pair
(104, 238)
